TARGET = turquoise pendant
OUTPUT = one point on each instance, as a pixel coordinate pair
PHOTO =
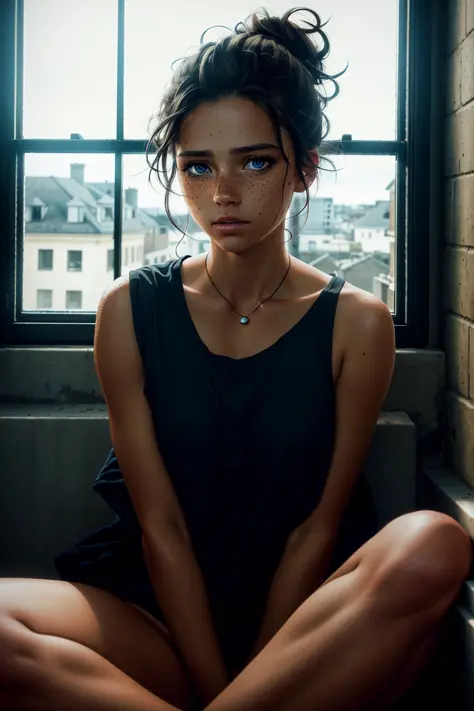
(244, 320)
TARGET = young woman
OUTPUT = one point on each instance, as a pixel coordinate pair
(243, 571)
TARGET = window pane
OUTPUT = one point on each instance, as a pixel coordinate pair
(70, 68)
(351, 225)
(73, 300)
(74, 261)
(148, 236)
(44, 299)
(65, 248)
(366, 106)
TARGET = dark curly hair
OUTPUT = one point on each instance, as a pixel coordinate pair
(269, 60)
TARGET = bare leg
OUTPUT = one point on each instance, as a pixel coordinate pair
(343, 647)
(57, 673)
(408, 673)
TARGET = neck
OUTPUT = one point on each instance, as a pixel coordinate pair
(249, 278)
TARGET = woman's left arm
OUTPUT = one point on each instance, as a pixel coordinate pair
(367, 366)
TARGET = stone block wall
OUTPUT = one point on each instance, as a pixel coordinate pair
(459, 235)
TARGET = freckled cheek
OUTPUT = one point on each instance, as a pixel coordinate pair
(264, 198)
(197, 195)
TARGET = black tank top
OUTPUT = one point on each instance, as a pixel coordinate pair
(247, 443)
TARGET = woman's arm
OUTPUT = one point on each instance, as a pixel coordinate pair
(180, 591)
(175, 575)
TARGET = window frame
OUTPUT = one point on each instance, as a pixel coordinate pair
(411, 149)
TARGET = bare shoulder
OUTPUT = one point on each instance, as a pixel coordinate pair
(119, 286)
(358, 309)
(114, 304)
(364, 336)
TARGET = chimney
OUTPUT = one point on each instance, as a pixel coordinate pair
(77, 172)
(131, 197)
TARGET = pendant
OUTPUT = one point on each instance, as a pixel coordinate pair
(244, 320)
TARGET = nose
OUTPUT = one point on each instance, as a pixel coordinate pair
(226, 192)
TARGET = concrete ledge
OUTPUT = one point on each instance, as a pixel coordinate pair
(52, 453)
(67, 375)
(467, 596)
(463, 623)
(442, 491)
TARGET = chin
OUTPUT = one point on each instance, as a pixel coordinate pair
(236, 244)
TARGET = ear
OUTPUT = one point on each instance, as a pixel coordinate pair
(309, 178)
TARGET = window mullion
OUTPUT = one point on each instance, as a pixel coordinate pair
(120, 67)
(400, 240)
(118, 213)
(118, 191)
(20, 15)
(402, 70)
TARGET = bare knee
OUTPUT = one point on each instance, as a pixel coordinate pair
(421, 560)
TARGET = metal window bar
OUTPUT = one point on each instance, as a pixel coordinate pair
(118, 193)
(35, 326)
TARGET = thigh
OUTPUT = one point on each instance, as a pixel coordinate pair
(127, 636)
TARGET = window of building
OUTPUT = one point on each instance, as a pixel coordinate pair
(75, 213)
(110, 260)
(73, 300)
(74, 260)
(44, 298)
(45, 259)
(111, 126)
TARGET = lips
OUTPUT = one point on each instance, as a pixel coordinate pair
(230, 220)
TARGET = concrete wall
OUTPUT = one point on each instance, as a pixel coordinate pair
(459, 236)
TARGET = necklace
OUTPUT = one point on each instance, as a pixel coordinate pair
(245, 319)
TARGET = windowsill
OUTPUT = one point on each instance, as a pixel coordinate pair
(66, 375)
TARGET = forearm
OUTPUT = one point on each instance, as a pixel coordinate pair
(303, 568)
(181, 593)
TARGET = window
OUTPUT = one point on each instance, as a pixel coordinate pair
(73, 299)
(44, 298)
(74, 261)
(45, 259)
(77, 146)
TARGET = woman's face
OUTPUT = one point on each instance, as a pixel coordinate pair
(230, 165)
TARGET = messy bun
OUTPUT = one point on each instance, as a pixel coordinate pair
(295, 40)
(272, 61)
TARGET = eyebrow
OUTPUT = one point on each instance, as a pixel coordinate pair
(233, 151)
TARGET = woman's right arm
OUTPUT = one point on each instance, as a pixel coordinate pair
(176, 578)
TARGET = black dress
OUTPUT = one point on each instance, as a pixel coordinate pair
(247, 444)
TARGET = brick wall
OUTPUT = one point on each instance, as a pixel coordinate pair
(459, 236)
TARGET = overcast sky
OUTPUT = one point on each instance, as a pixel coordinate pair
(70, 78)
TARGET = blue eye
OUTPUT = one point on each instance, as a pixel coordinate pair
(196, 165)
(258, 160)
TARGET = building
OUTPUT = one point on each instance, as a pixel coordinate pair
(362, 271)
(370, 231)
(68, 245)
(384, 285)
(320, 213)
(326, 263)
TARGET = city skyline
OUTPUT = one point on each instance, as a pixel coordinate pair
(77, 94)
